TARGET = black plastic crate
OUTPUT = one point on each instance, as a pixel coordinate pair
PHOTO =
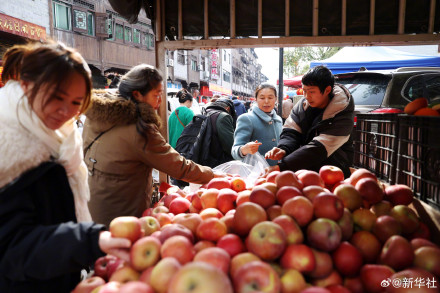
(375, 144)
(418, 159)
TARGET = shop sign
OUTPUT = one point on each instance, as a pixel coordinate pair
(21, 28)
(214, 64)
(218, 89)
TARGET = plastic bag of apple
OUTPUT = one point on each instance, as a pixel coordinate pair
(289, 232)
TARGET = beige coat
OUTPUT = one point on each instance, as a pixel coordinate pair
(120, 168)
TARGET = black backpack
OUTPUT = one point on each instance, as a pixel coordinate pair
(189, 135)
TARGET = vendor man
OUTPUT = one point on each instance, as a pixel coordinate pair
(317, 132)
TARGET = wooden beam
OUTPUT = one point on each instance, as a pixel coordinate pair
(315, 18)
(344, 18)
(326, 41)
(287, 16)
(431, 17)
(179, 20)
(401, 24)
(158, 22)
(372, 14)
(206, 19)
(260, 18)
(232, 19)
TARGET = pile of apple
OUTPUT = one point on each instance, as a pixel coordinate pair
(290, 232)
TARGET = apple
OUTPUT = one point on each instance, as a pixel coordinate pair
(407, 218)
(163, 219)
(126, 227)
(173, 230)
(294, 234)
(271, 176)
(239, 260)
(228, 219)
(347, 259)
(238, 184)
(385, 227)
(360, 174)
(273, 211)
(145, 253)
(149, 225)
(334, 278)
(337, 289)
(399, 194)
(298, 257)
(175, 189)
(300, 209)
(226, 200)
(346, 224)
(211, 229)
(308, 178)
(124, 275)
(363, 219)
(179, 205)
(210, 213)
(87, 285)
(292, 281)
(287, 192)
(215, 256)
(178, 247)
(372, 276)
(113, 265)
(324, 234)
(422, 282)
(262, 196)
(196, 201)
(110, 287)
(421, 232)
(209, 198)
(243, 196)
(421, 242)
(203, 244)
(167, 199)
(190, 221)
(428, 258)
(331, 174)
(163, 272)
(246, 216)
(288, 178)
(351, 198)
(159, 210)
(312, 191)
(146, 275)
(267, 240)
(397, 253)
(232, 244)
(271, 186)
(136, 286)
(368, 244)
(370, 190)
(199, 277)
(323, 264)
(354, 284)
(381, 208)
(256, 276)
(219, 183)
(102, 265)
(327, 205)
(315, 289)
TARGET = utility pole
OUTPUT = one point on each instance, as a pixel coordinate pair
(280, 82)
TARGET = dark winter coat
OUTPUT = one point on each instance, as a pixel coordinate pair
(311, 142)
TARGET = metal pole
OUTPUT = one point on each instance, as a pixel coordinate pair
(280, 82)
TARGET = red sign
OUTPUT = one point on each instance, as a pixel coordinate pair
(214, 64)
(21, 28)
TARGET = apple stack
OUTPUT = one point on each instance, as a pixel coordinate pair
(290, 232)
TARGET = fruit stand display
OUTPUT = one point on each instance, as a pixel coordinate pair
(289, 232)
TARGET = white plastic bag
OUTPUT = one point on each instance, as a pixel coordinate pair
(258, 163)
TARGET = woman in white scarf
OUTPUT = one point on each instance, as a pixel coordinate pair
(46, 233)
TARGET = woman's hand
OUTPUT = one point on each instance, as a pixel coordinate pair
(118, 247)
(250, 148)
(275, 154)
(270, 169)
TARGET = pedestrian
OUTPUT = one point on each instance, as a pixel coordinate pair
(46, 233)
(122, 145)
(287, 108)
(317, 132)
(239, 106)
(258, 130)
(180, 117)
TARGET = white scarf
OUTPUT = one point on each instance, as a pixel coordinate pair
(64, 144)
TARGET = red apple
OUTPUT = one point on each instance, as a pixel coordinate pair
(210, 213)
(298, 257)
(262, 196)
(167, 199)
(421, 242)
(373, 275)
(211, 229)
(324, 234)
(368, 245)
(145, 253)
(163, 273)
(381, 208)
(232, 244)
(346, 224)
(215, 256)
(360, 174)
(199, 277)
(351, 198)
(126, 227)
(337, 289)
(173, 230)
(149, 225)
(271, 176)
(300, 209)
(312, 191)
(219, 183)
(136, 286)
(124, 274)
(347, 259)
(101, 265)
(271, 186)
(407, 218)
(228, 219)
(163, 218)
(196, 200)
(385, 227)
(190, 221)
(308, 178)
(273, 211)
(422, 282)
(428, 258)
(239, 260)
(421, 232)
(334, 278)
(287, 192)
(294, 234)
(327, 205)
(331, 174)
(146, 275)
(209, 198)
(87, 285)
(256, 276)
(399, 194)
(315, 289)
(110, 287)
(243, 196)
(267, 240)
(324, 265)
(203, 244)
(226, 200)
(288, 178)
(179, 205)
(354, 284)
(397, 253)
(246, 216)
(370, 190)
(292, 281)
(363, 219)
(178, 247)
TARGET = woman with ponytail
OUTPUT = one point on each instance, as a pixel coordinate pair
(46, 234)
(122, 145)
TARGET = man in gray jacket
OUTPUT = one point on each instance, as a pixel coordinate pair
(317, 132)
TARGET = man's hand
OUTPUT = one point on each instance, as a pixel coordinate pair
(270, 169)
(118, 247)
(275, 154)
(250, 148)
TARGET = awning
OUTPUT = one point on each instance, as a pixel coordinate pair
(294, 82)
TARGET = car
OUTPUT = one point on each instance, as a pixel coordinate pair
(389, 91)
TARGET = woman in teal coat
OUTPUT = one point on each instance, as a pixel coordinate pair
(260, 129)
